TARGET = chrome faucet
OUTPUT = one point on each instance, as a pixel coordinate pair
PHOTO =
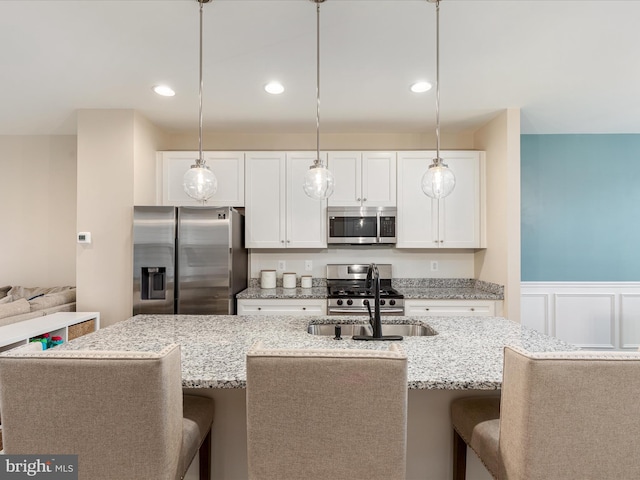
(373, 280)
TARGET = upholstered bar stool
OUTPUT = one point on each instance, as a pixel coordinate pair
(562, 415)
(326, 414)
(122, 413)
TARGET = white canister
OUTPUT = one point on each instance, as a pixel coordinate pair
(306, 281)
(288, 280)
(267, 279)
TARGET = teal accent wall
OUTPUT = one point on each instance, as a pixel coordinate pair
(580, 205)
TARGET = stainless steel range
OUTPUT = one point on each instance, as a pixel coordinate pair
(348, 293)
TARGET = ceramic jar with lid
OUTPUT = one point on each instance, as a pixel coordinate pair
(267, 279)
(288, 280)
(306, 281)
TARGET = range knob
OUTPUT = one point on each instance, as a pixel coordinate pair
(339, 302)
(392, 302)
(365, 302)
(349, 302)
(382, 302)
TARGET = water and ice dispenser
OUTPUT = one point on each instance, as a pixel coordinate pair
(154, 283)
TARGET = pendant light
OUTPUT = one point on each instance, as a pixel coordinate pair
(199, 182)
(318, 181)
(439, 180)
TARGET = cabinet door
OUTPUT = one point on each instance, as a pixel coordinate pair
(298, 307)
(379, 179)
(347, 172)
(452, 222)
(417, 213)
(459, 212)
(306, 218)
(449, 308)
(228, 167)
(265, 181)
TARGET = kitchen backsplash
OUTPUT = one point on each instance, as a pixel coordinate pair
(406, 263)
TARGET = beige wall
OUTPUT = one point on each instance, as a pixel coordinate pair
(38, 196)
(116, 167)
(148, 140)
(500, 262)
(328, 141)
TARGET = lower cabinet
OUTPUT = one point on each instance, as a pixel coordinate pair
(452, 308)
(295, 306)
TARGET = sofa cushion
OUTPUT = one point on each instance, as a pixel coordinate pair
(33, 292)
(49, 300)
(4, 291)
(14, 308)
(7, 299)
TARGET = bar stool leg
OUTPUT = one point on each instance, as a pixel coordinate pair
(459, 457)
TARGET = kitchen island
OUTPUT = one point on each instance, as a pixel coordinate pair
(464, 358)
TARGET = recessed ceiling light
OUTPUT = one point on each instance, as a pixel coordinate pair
(274, 88)
(164, 90)
(420, 87)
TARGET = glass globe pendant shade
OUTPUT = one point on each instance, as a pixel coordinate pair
(438, 181)
(318, 182)
(200, 183)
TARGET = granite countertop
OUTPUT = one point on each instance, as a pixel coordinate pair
(465, 354)
(418, 288)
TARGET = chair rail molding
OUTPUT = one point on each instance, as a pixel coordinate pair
(591, 315)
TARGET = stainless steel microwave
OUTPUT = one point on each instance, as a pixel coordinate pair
(361, 225)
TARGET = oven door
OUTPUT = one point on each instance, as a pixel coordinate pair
(352, 226)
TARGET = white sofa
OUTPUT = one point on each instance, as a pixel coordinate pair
(19, 303)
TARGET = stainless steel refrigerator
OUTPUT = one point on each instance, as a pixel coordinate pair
(188, 260)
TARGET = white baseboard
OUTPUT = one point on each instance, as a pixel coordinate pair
(592, 315)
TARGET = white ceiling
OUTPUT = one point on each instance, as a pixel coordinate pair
(570, 66)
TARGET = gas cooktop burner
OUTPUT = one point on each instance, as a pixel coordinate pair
(361, 292)
(348, 293)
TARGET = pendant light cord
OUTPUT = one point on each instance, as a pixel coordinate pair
(438, 81)
(199, 162)
(318, 83)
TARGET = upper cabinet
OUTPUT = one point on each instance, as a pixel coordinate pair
(456, 221)
(278, 212)
(365, 179)
(228, 168)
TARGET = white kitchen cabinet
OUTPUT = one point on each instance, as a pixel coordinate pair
(365, 179)
(451, 308)
(455, 221)
(294, 306)
(278, 212)
(228, 168)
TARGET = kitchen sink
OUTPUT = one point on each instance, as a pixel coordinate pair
(349, 330)
(408, 330)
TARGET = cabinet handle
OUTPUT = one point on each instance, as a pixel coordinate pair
(364, 199)
(473, 309)
(259, 308)
(441, 241)
(435, 241)
(304, 308)
(288, 241)
(358, 199)
(427, 309)
(281, 241)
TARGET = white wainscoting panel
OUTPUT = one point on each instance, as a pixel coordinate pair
(591, 315)
(535, 312)
(630, 320)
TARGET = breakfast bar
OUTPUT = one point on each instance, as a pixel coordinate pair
(463, 358)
